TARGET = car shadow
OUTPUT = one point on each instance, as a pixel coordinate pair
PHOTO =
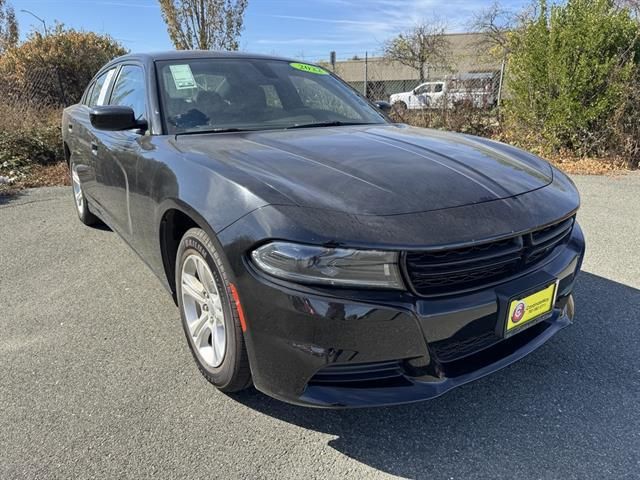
(9, 196)
(569, 410)
(100, 225)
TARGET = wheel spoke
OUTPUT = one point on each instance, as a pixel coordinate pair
(204, 276)
(203, 343)
(217, 305)
(218, 341)
(192, 287)
(79, 198)
(203, 334)
(198, 325)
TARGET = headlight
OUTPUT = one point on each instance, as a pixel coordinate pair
(329, 266)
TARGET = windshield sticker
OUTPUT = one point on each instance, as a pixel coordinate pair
(309, 68)
(182, 76)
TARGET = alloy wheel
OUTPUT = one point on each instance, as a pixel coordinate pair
(77, 190)
(203, 311)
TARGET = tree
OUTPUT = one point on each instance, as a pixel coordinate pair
(570, 71)
(8, 27)
(495, 23)
(204, 24)
(422, 48)
(55, 68)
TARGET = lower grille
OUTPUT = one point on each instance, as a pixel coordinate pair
(450, 350)
(361, 375)
(447, 271)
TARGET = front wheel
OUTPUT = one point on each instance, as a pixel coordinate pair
(210, 316)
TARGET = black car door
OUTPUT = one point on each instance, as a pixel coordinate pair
(83, 135)
(118, 153)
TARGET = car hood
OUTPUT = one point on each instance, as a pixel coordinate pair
(374, 170)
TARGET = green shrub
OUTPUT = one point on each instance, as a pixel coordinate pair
(56, 68)
(38, 78)
(569, 75)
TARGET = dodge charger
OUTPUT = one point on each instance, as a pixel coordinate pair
(314, 248)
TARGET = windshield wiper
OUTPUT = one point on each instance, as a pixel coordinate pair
(336, 123)
(215, 130)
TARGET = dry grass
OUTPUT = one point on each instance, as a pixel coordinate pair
(47, 176)
(53, 175)
(588, 165)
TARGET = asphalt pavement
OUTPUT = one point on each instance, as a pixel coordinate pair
(96, 380)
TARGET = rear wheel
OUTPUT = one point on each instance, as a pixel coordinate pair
(79, 199)
(209, 314)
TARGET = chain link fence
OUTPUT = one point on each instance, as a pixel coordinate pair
(465, 96)
(34, 89)
(30, 102)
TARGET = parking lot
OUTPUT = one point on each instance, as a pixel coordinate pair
(97, 380)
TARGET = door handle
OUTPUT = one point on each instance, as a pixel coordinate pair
(70, 127)
(94, 148)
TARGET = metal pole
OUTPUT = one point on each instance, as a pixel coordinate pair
(502, 66)
(46, 32)
(366, 73)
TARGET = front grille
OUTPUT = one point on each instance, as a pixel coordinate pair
(544, 241)
(360, 375)
(451, 270)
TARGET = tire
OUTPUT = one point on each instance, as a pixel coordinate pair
(204, 312)
(399, 107)
(79, 199)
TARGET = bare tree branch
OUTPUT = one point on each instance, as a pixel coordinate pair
(495, 23)
(423, 47)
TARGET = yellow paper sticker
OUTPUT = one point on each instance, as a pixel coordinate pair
(309, 68)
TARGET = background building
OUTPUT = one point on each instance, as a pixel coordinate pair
(379, 78)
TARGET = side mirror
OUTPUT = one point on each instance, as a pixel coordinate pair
(115, 118)
(382, 105)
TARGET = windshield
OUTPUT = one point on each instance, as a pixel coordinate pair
(220, 94)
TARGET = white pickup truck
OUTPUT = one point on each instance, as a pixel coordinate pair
(476, 90)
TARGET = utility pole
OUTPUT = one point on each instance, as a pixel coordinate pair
(46, 31)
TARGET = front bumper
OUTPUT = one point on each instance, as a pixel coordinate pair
(348, 348)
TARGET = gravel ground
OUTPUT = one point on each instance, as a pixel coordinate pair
(97, 380)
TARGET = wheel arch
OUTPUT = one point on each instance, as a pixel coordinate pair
(67, 153)
(176, 219)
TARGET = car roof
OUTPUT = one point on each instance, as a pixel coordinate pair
(193, 54)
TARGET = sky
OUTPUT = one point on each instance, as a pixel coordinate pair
(307, 29)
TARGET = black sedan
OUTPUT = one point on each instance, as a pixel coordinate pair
(315, 249)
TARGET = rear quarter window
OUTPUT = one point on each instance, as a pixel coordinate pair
(98, 94)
